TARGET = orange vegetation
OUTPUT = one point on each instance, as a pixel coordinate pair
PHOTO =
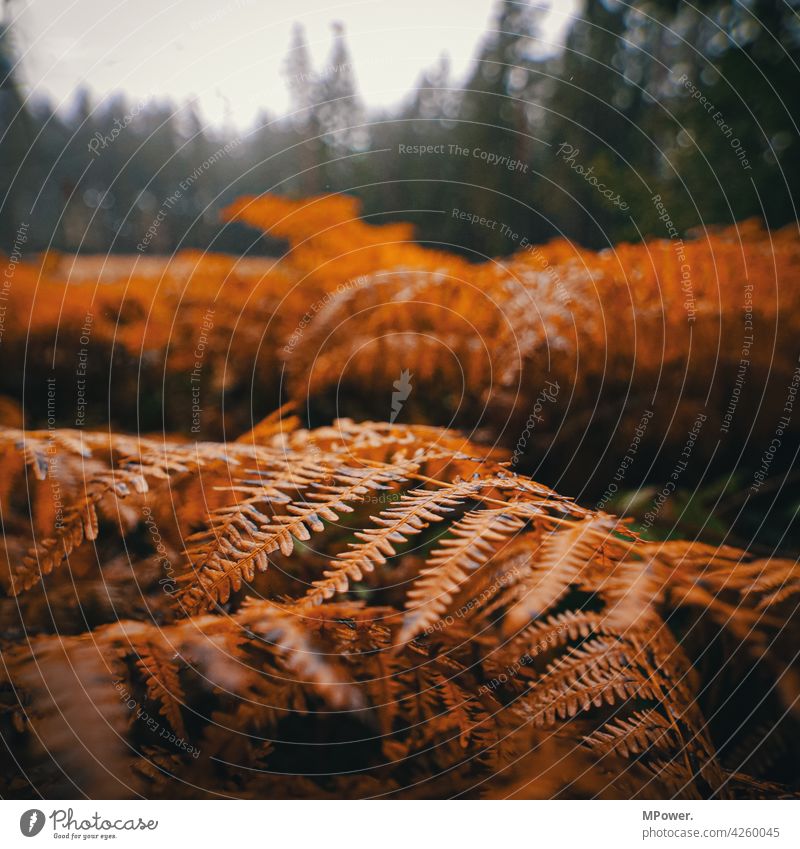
(676, 329)
(365, 610)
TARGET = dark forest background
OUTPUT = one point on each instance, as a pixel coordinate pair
(614, 93)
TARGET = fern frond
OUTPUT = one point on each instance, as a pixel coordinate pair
(133, 465)
(629, 589)
(440, 709)
(559, 561)
(605, 671)
(79, 523)
(281, 630)
(641, 732)
(474, 538)
(243, 537)
(551, 633)
(155, 661)
(412, 513)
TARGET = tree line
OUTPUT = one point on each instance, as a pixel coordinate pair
(652, 117)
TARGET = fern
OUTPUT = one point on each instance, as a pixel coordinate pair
(382, 303)
(474, 538)
(562, 556)
(161, 678)
(642, 732)
(413, 513)
(517, 614)
(131, 468)
(229, 551)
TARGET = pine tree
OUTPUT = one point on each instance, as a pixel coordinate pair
(341, 111)
(304, 113)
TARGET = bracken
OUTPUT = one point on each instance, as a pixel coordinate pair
(668, 329)
(473, 634)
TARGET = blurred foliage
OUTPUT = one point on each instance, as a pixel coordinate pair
(203, 344)
(720, 512)
(649, 96)
(624, 90)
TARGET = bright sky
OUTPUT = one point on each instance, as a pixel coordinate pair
(229, 54)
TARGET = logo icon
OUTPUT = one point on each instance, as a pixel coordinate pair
(402, 391)
(31, 822)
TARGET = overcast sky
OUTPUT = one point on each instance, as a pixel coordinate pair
(229, 54)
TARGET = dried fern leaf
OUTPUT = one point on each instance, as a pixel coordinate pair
(155, 660)
(244, 536)
(409, 516)
(474, 538)
(640, 733)
(559, 561)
